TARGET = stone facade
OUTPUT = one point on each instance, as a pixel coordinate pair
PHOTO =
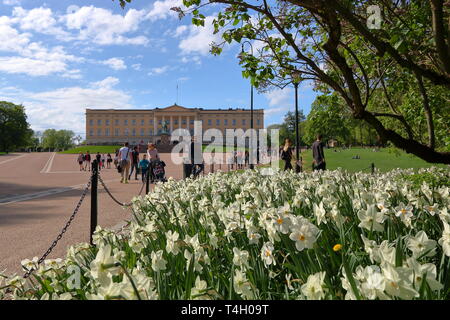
(139, 126)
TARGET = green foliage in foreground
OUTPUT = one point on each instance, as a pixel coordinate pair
(92, 149)
(326, 235)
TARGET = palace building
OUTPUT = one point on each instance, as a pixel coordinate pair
(139, 126)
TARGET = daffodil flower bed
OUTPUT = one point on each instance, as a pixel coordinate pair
(320, 235)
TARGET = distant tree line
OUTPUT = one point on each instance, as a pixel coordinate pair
(16, 134)
(330, 117)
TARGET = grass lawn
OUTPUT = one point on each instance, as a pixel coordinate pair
(383, 160)
(92, 149)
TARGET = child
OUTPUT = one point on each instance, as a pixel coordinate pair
(143, 165)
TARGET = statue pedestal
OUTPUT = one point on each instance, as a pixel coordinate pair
(165, 138)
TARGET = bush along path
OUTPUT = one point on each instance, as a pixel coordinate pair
(245, 235)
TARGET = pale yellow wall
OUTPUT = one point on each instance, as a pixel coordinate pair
(92, 117)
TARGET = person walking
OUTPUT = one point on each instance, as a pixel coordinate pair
(87, 159)
(116, 158)
(152, 155)
(80, 160)
(103, 161)
(134, 163)
(318, 154)
(144, 164)
(124, 158)
(287, 154)
(98, 157)
(108, 161)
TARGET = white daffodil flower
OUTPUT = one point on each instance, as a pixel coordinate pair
(242, 286)
(314, 289)
(404, 212)
(372, 248)
(371, 219)
(197, 292)
(28, 264)
(103, 265)
(320, 213)
(425, 272)
(158, 262)
(240, 258)
(304, 236)
(444, 241)
(267, 254)
(420, 244)
(171, 242)
(399, 282)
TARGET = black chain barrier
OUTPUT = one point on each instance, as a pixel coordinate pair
(114, 198)
(55, 242)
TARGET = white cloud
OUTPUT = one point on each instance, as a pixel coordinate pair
(38, 20)
(271, 111)
(279, 97)
(11, 2)
(161, 9)
(136, 66)
(103, 27)
(199, 38)
(29, 57)
(158, 70)
(108, 82)
(64, 108)
(180, 30)
(115, 63)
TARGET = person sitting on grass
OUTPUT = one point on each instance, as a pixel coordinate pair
(143, 165)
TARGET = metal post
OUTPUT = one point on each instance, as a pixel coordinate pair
(373, 167)
(94, 202)
(297, 136)
(251, 125)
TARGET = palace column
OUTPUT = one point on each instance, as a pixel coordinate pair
(171, 124)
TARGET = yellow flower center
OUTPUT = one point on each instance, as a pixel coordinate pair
(337, 247)
(394, 284)
(279, 221)
(301, 237)
(268, 253)
(404, 211)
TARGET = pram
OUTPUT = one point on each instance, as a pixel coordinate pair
(159, 173)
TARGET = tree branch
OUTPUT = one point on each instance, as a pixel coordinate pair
(428, 112)
(439, 33)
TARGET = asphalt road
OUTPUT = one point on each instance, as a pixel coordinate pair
(38, 193)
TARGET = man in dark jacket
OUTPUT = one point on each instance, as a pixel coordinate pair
(318, 154)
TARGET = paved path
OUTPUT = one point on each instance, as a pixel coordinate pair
(38, 193)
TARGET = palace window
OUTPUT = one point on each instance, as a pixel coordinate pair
(117, 122)
(107, 132)
(234, 122)
(225, 122)
(99, 132)
(134, 132)
(142, 132)
(116, 132)
(134, 122)
(217, 122)
(142, 122)
(91, 122)
(125, 122)
(126, 131)
(209, 122)
(107, 122)
(91, 132)
(99, 122)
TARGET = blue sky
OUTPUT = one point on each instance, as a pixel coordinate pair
(59, 57)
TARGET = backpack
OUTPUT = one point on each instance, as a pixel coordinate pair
(284, 155)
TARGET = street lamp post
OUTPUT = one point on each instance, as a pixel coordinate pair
(296, 81)
(251, 107)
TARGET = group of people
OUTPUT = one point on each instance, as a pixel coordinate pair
(287, 154)
(84, 161)
(129, 161)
